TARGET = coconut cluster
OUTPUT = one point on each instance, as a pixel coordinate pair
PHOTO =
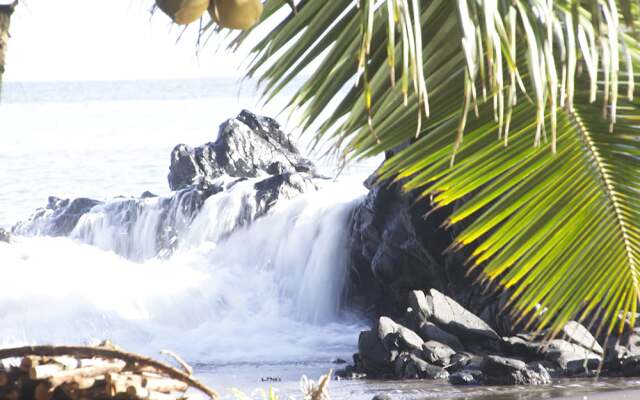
(232, 14)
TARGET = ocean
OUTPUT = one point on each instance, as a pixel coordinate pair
(105, 138)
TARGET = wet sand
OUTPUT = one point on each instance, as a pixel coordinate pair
(248, 378)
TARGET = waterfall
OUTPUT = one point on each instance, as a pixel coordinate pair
(234, 288)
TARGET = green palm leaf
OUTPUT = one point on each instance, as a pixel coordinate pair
(562, 228)
(512, 106)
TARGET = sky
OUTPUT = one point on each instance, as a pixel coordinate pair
(107, 40)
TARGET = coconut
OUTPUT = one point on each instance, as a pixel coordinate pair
(183, 11)
(236, 14)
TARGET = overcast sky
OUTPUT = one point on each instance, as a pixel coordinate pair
(106, 40)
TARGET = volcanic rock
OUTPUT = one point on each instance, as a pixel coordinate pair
(509, 371)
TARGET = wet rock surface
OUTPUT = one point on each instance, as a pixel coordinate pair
(401, 269)
(572, 358)
(250, 151)
(5, 237)
(510, 371)
(574, 332)
(398, 245)
(247, 146)
(392, 350)
(457, 320)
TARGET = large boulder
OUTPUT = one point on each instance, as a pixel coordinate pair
(247, 146)
(388, 256)
(398, 245)
(631, 366)
(396, 337)
(410, 366)
(521, 347)
(393, 350)
(509, 371)
(58, 218)
(437, 353)
(467, 377)
(373, 358)
(573, 359)
(284, 186)
(430, 331)
(574, 332)
(5, 237)
(451, 316)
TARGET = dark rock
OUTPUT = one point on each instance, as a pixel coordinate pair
(517, 346)
(496, 365)
(382, 396)
(573, 359)
(437, 353)
(576, 333)
(459, 361)
(631, 366)
(633, 342)
(543, 376)
(349, 372)
(430, 331)
(467, 377)
(388, 257)
(396, 337)
(276, 168)
(184, 169)
(614, 357)
(419, 304)
(57, 219)
(339, 361)
(618, 349)
(410, 366)
(285, 186)
(147, 195)
(247, 146)
(398, 245)
(5, 237)
(550, 367)
(508, 371)
(373, 358)
(452, 317)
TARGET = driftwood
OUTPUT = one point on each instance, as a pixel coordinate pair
(94, 372)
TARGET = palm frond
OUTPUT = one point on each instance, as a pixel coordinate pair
(512, 104)
(564, 228)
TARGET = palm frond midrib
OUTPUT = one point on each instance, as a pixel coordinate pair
(607, 188)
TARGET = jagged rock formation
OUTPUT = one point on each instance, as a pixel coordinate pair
(251, 153)
(58, 218)
(247, 146)
(464, 350)
(398, 245)
(433, 321)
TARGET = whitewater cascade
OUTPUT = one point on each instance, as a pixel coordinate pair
(245, 260)
(264, 290)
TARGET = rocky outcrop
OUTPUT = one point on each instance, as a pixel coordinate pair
(437, 338)
(510, 371)
(402, 269)
(58, 218)
(398, 245)
(5, 237)
(247, 146)
(251, 152)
